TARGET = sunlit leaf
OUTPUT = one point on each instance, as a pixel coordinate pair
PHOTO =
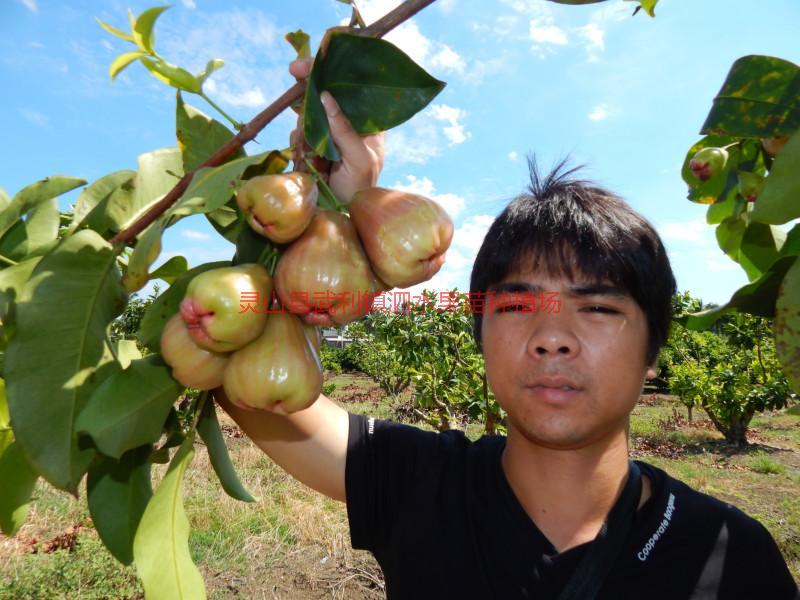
(18, 478)
(171, 269)
(213, 65)
(114, 31)
(89, 209)
(33, 195)
(199, 136)
(779, 201)
(143, 29)
(172, 75)
(122, 61)
(787, 325)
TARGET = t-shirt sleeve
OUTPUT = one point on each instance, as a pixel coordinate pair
(387, 464)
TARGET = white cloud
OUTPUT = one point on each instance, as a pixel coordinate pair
(543, 32)
(424, 137)
(195, 235)
(684, 231)
(35, 117)
(455, 131)
(469, 236)
(599, 113)
(191, 4)
(448, 59)
(31, 5)
(719, 265)
(452, 203)
(594, 39)
(513, 156)
(446, 6)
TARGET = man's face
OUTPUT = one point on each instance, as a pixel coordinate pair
(594, 344)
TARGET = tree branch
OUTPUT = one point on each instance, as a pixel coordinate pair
(378, 29)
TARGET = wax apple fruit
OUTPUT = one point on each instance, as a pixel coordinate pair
(750, 185)
(279, 206)
(223, 308)
(277, 369)
(192, 366)
(325, 275)
(708, 162)
(405, 235)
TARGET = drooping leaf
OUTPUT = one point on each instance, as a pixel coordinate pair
(145, 253)
(33, 195)
(128, 409)
(300, 42)
(210, 433)
(787, 325)
(760, 98)
(199, 136)
(143, 29)
(226, 220)
(211, 66)
(760, 248)
(127, 352)
(89, 209)
(161, 545)
(250, 246)
(114, 31)
(18, 478)
(122, 61)
(212, 187)
(171, 270)
(12, 280)
(729, 236)
(166, 305)
(778, 201)
(6, 435)
(157, 174)
(731, 207)
(51, 362)
(172, 75)
(33, 236)
(376, 85)
(117, 493)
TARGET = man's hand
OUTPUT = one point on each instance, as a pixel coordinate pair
(362, 157)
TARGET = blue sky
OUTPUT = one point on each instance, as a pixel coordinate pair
(626, 96)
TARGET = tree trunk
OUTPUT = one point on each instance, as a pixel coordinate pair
(689, 410)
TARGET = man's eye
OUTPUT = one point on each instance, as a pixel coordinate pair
(512, 308)
(600, 309)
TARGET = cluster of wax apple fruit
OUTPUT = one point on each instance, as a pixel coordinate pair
(330, 269)
(711, 161)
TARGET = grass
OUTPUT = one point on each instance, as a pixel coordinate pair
(294, 543)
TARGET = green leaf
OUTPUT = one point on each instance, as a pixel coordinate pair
(33, 195)
(90, 208)
(213, 65)
(226, 220)
(143, 29)
(145, 253)
(34, 236)
(212, 187)
(166, 305)
(114, 31)
(729, 236)
(128, 409)
(161, 545)
(300, 42)
(117, 493)
(787, 325)
(376, 85)
(18, 479)
(759, 98)
(5, 200)
(172, 75)
(52, 362)
(778, 201)
(199, 136)
(760, 248)
(249, 246)
(210, 433)
(6, 434)
(159, 171)
(171, 270)
(127, 352)
(122, 61)
(791, 247)
(732, 207)
(12, 280)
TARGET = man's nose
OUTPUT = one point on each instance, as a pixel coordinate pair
(552, 335)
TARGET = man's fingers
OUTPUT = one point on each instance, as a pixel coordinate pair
(349, 143)
(300, 68)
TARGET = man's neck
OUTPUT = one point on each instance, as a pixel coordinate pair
(568, 493)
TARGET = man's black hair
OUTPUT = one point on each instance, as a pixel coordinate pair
(568, 226)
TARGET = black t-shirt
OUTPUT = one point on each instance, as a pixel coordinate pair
(438, 514)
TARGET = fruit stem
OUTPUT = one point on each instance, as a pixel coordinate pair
(198, 408)
(8, 261)
(268, 258)
(236, 124)
(332, 203)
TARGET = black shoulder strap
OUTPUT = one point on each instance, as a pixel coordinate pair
(592, 570)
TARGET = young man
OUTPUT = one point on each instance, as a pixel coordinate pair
(515, 517)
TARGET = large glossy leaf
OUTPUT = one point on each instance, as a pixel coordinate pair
(12, 280)
(34, 235)
(226, 221)
(212, 187)
(731, 207)
(122, 61)
(199, 136)
(376, 85)
(117, 493)
(787, 325)
(89, 209)
(127, 352)
(171, 269)
(51, 363)
(143, 29)
(779, 200)
(18, 479)
(208, 428)
(791, 247)
(166, 305)
(250, 246)
(145, 253)
(129, 408)
(31, 196)
(161, 545)
(760, 248)
(172, 75)
(157, 174)
(729, 236)
(760, 98)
